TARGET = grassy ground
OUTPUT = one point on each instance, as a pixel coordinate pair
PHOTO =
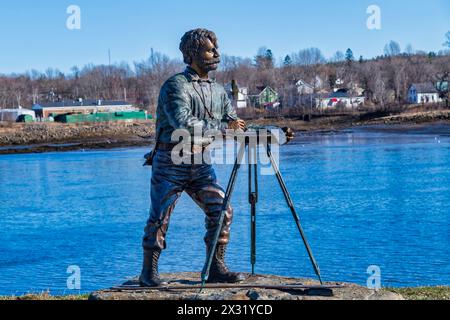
(425, 293)
(45, 296)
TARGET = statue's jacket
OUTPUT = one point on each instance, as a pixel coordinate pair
(181, 106)
(188, 102)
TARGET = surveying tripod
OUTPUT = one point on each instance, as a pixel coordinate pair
(252, 150)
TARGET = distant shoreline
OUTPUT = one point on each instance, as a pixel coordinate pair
(20, 138)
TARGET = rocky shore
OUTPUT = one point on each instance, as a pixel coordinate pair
(334, 123)
(417, 118)
(42, 137)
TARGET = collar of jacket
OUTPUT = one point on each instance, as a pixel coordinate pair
(192, 76)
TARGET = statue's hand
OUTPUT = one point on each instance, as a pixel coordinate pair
(237, 125)
(290, 134)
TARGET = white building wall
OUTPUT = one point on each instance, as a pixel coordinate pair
(241, 104)
(428, 98)
(11, 115)
(414, 97)
(348, 102)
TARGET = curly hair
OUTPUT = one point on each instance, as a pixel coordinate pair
(193, 40)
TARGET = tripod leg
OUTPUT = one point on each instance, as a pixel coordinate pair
(293, 211)
(253, 199)
(226, 203)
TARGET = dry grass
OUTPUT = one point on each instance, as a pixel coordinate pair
(423, 293)
(45, 297)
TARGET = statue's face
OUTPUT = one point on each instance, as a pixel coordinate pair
(208, 58)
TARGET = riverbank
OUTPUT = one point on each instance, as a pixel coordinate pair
(18, 138)
(335, 123)
(46, 137)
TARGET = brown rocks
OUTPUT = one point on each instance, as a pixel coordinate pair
(95, 135)
(417, 117)
(254, 288)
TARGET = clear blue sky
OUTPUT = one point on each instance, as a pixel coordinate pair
(34, 33)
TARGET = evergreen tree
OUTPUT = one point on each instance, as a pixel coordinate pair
(234, 89)
(287, 61)
(431, 56)
(349, 57)
(332, 80)
(269, 59)
(264, 59)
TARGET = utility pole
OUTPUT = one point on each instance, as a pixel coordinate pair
(109, 81)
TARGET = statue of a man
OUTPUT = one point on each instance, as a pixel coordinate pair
(189, 100)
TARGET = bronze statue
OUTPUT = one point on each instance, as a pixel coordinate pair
(187, 101)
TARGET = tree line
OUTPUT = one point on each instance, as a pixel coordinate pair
(384, 79)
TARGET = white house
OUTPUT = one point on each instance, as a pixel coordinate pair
(299, 92)
(355, 89)
(423, 93)
(12, 115)
(304, 88)
(339, 98)
(242, 96)
(339, 82)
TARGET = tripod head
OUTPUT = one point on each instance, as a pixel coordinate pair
(264, 135)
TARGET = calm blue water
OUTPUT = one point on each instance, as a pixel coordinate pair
(365, 198)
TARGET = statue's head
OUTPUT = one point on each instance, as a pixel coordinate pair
(200, 50)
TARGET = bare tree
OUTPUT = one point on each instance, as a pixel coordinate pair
(152, 73)
(447, 39)
(338, 57)
(307, 57)
(409, 50)
(392, 49)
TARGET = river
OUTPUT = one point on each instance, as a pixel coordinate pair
(365, 196)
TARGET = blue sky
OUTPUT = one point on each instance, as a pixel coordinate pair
(34, 33)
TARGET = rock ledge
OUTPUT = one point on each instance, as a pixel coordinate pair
(340, 291)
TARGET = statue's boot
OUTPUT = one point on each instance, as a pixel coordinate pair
(219, 272)
(149, 275)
